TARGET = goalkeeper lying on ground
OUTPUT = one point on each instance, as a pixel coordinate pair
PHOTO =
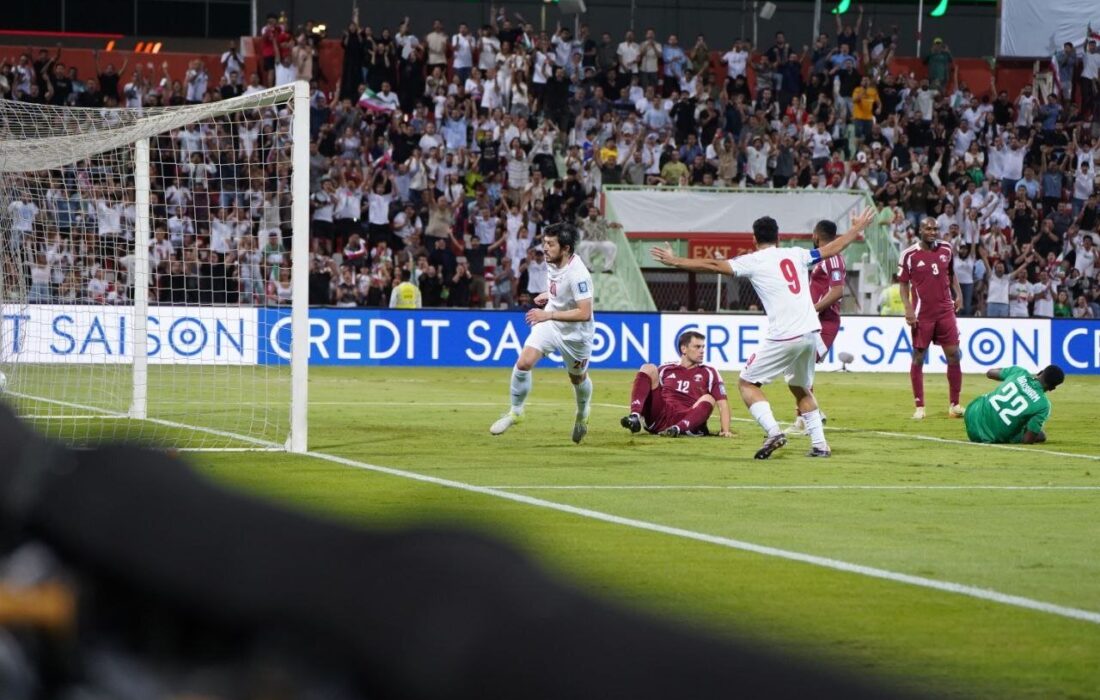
(1016, 410)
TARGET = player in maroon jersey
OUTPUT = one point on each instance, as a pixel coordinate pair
(678, 398)
(826, 289)
(927, 280)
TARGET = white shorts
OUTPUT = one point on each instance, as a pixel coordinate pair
(793, 359)
(546, 338)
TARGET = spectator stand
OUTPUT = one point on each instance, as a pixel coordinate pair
(580, 108)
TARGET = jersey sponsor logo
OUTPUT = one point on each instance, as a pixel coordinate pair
(920, 263)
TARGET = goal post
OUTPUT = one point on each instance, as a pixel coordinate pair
(154, 266)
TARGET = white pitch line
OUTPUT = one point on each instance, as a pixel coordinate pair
(107, 413)
(824, 562)
(488, 404)
(777, 487)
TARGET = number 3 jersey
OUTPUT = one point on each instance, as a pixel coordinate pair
(928, 275)
(1017, 404)
(781, 279)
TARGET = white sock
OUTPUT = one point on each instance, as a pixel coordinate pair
(521, 387)
(584, 396)
(762, 412)
(815, 428)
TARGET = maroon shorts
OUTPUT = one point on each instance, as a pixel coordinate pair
(659, 414)
(943, 331)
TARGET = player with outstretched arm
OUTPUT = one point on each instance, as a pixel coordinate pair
(565, 326)
(1016, 410)
(780, 277)
(677, 398)
(926, 277)
(826, 290)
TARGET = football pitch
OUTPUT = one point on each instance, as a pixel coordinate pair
(911, 555)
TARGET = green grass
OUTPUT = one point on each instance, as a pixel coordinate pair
(1042, 544)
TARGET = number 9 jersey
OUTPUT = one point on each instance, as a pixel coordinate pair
(781, 279)
(1017, 404)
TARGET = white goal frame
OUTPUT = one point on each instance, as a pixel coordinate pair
(297, 437)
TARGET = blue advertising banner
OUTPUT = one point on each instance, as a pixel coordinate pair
(876, 343)
(458, 338)
(92, 334)
(1075, 345)
(475, 338)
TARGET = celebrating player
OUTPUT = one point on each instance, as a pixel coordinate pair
(781, 279)
(564, 326)
(1016, 410)
(927, 279)
(678, 398)
(826, 290)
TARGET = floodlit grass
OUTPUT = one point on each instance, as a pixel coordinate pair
(1042, 543)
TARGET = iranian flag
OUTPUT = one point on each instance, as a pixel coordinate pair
(1065, 90)
(376, 102)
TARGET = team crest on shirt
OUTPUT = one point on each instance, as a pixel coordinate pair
(553, 289)
(583, 287)
(943, 258)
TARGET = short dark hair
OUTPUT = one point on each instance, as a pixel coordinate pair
(1052, 376)
(565, 233)
(826, 228)
(765, 230)
(686, 337)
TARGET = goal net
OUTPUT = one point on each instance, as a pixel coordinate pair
(154, 266)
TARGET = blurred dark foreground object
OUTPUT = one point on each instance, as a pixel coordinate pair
(144, 581)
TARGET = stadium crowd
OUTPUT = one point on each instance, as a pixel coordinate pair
(439, 154)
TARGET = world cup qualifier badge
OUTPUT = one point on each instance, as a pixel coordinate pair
(583, 287)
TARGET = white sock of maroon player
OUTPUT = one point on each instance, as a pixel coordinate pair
(521, 387)
(815, 428)
(762, 412)
(584, 396)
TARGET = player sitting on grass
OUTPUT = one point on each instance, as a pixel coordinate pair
(678, 398)
(1016, 410)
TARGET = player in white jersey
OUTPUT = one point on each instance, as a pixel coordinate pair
(565, 326)
(781, 279)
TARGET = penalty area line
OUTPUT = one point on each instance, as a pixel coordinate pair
(823, 562)
(780, 487)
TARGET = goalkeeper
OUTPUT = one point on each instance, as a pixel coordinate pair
(1016, 410)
